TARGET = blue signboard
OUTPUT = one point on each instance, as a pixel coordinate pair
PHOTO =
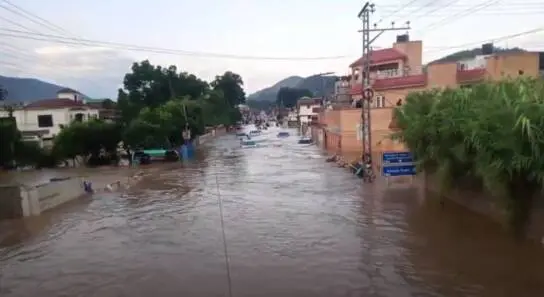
(398, 164)
(399, 170)
(397, 157)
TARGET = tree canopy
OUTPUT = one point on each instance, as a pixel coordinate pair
(288, 97)
(261, 105)
(491, 134)
(163, 101)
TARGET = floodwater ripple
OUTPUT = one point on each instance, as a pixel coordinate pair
(295, 226)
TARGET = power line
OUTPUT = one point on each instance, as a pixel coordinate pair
(131, 47)
(14, 23)
(389, 8)
(497, 39)
(42, 23)
(397, 11)
(484, 13)
(25, 14)
(459, 15)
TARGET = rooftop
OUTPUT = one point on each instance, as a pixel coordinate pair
(67, 90)
(381, 56)
(55, 103)
(309, 101)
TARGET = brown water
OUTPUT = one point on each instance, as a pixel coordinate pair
(295, 226)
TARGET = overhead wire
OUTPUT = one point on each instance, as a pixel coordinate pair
(496, 39)
(458, 16)
(397, 11)
(27, 15)
(132, 47)
(506, 5)
(42, 22)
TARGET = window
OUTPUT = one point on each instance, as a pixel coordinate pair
(79, 117)
(379, 101)
(45, 120)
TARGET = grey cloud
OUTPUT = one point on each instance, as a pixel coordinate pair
(96, 72)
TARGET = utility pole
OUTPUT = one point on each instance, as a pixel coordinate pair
(367, 92)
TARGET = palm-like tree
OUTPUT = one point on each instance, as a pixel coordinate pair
(492, 133)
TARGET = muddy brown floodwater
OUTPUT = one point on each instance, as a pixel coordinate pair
(295, 226)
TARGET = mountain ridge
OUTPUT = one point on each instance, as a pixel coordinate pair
(269, 93)
(317, 84)
(23, 89)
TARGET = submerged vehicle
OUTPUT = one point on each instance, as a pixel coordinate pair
(145, 157)
(248, 143)
(283, 134)
(305, 140)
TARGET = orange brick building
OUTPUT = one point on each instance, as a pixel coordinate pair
(397, 71)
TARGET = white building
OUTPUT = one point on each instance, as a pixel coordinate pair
(42, 120)
(307, 110)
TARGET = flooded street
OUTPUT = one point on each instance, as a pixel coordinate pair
(295, 226)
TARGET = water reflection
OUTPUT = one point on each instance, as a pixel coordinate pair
(474, 256)
(295, 225)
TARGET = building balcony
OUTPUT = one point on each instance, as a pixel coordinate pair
(390, 73)
(396, 82)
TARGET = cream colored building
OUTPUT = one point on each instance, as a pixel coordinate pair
(42, 120)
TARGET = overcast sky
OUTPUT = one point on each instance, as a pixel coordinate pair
(254, 28)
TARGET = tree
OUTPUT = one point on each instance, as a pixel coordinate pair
(261, 105)
(92, 140)
(9, 138)
(108, 104)
(3, 96)
(491, 135)
(231, 85)
(288, 97)
(150, 86)
(3, 93)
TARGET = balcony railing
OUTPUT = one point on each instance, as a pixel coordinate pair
(391, 73)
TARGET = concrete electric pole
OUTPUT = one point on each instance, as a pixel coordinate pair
(366, 91)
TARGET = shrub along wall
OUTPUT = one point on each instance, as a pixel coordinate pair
(489, 137)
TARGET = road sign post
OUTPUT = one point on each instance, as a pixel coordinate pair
(398, 164)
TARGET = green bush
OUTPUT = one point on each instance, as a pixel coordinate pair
(492, 132)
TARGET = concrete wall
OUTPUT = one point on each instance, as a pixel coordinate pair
(10, 202)
(513, 65)
(204, 138)
(21, 201)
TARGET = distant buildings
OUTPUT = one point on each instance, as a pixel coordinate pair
(394, 73)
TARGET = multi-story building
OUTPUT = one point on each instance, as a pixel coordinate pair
(307, 110)
(397, 71)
